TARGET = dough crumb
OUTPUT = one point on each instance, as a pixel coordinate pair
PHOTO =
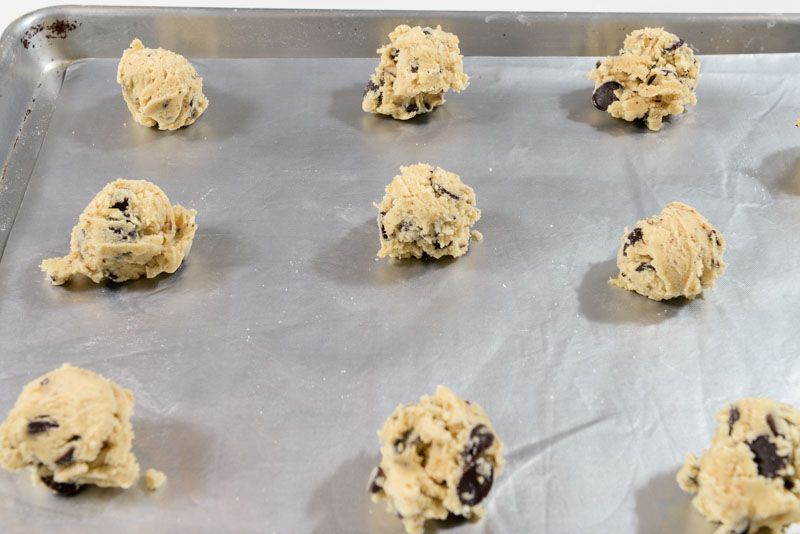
(426, 211)
(476, 235)
(677, 253)
(438, 458)
(71, 427)
(161, 88)
(154, 479)
(654, 76)
(417, 67)
(747, 480)
(127, 231)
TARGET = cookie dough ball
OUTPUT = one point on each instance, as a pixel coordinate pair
(654, 76)
(438, 457)
(417, 67)
(160, 87)
(677, 253)
(748, 479)
(426, 211)
(71, 427)
(127, 231)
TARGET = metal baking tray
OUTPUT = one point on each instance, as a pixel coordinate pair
(263, 368)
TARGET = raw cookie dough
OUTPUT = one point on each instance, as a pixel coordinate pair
(438, 457)
(154, 479)
(71, 427)
(654, 76)
(426, 211)
(416, 68)
(677, 253)
(748, 479)
(127, 231)
(160, 87)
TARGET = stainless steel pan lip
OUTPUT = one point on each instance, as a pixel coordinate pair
(569, 34)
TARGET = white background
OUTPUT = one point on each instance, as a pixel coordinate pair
(11, 9)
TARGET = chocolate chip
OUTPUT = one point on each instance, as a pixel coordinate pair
(412, 108)
(597, 65)
(376, 481)
(635, 236)
(674, 46)
(732, 418)
(41, 423)
(401, 443)
(604, 95)
(766, 458)
(111, 276)
(121, 206)
(65, 489)
(66, 459)
(788, 483)
(414, 68)
(406, 225)
(44, 382)
(426, 31)
(73, 438)
(480, 439)
(384, 235)
(651, 79)
(394, 53)
(439, 191)
(475, 483)
(371, 86)
(645, 267)
(771, 423)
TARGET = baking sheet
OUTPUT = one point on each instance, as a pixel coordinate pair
(263, 368)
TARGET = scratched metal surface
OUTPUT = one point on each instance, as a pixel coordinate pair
(263, 368)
